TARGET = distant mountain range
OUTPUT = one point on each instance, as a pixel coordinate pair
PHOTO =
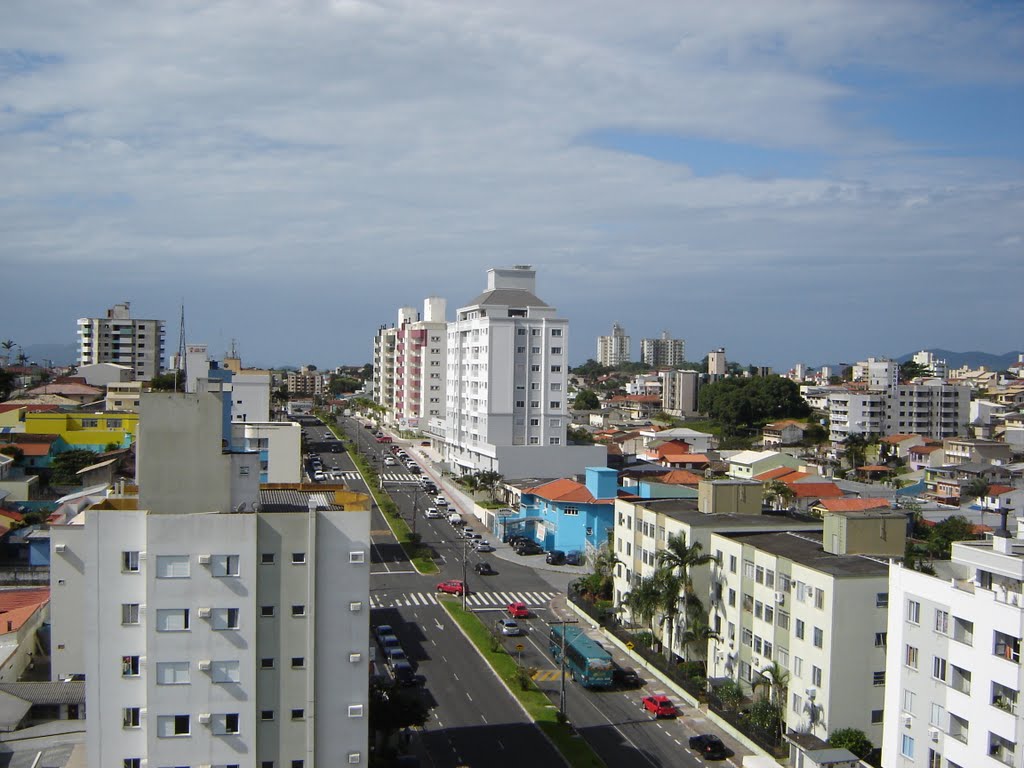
(970, 359)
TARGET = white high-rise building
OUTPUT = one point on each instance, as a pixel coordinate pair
(953, 671)
(217, 625)
(937, 367)
(717, 367)
(664, 352)
(507, 369)
(613, 350)
(679, 392)
(409, 365)
(120, 339)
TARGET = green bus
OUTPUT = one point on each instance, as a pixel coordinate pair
(587, 662)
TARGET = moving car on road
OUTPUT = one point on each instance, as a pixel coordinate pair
(518, 610)
(484, 546)
(626, 677)
(508, 627)
(709, 746)
(432, 513)
(484, 569)
(659, 706)
(452, 587)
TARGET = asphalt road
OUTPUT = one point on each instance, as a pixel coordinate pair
(475, 721)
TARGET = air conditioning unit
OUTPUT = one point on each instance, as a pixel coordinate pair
(142, 555)
(908, 721)
(780, 597)
(60, 548)
(204, 665)
(204, 559)
(933, 734)
(204, 613)
(204, 718)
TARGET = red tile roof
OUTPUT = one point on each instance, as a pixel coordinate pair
(854, 505)
(998, 490)
(894, 439)
(783, 474)
(925, 448)
(18, 605)
(816, 490)
(680, 477)
(565, 490)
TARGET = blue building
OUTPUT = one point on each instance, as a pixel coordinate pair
(567, 515)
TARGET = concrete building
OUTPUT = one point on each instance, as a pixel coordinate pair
(815, 605)
(880, 374)
(932, 409)
(679, 390)
(613, 350)
(663, 352)
(223, 634)
(122, 340)
(953, 668)
(409, 366)
(307, 381)
(507, 381)
(103, 374)
(278, 445)
(935, 366)
(717, 366)
(567, 515)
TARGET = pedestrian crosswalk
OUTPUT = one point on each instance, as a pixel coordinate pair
(398, 477)
(475, 599)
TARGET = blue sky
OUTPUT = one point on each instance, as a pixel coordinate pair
(794, 182)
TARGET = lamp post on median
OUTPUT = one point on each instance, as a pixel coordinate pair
(465, 575)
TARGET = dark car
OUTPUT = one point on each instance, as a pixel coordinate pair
(626, 677)
(555, 557)
(484, 569)
(709, 747)
(517, 538)
(575, 558)
(404, 674)
(528, 547)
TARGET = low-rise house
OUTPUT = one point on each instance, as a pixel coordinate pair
(22, 613)
(964, 451)
(785, 432)
(636, 406)
(899, 446)
(23, 705)
(920, 457)
(78, 391)
(699, 442)
(846, 506)
(567, 515)
(746, 464)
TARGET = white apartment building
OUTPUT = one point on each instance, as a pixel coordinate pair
(507, 380)
(278, 445)
(663, 352)
(613, 350)
(679, 390)
(932, 409)
(409, 365)
(717, 366)
(118, 338)
(954, 679)
(222, 635)
(880, 374)
(817, 611)
(936, 366)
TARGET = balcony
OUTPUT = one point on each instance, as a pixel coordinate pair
(1007, 647)
(963, 630)
(1004, 698)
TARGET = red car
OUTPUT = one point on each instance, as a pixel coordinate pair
(659, 706)
(518, 610)
(452, 587)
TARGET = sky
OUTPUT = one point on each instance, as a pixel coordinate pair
(794, 181)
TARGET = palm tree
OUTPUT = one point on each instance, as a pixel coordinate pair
(8, 345)
(696, 636)
(642, 601)
(778, 494)
(602, 562)
(671, 587)
(678, 557)
(776, 678)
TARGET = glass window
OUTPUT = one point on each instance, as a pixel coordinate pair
(907, 746)
(799, 630)
(129, 613)
(910, 659)
(130, 562)
(224, 565)
(172, 620)
(225, 672)
(819, 637)
(942, 621)
(168, 726)
(913, 612)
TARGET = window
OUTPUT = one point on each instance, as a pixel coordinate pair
(556, 332)
(226, 672)
(131, 717)
(747, 637)
(357, 557)
(298, 610)
(816, 676)
(172, 673)
(799, 630)
(877, 715)
(172, 566)
(556, 350)
(129, 613)
(266, 714)
(878, 678)
(942, 621)
(267, 662)
(769, 614)
(520, 403)
(225, 724)
(758, 609)
(554, 441)
(556, 369)
(172, 620)
(907, 747)
(224, 618)
(130, 562)
(224, 565)
(819, 598)
(908, 700)
(131, 762)
(937, 716)
(910, 659)
(168, 726)
(298, 662)
(298, 714)
(732, 563)
(913, 612)
(882, 600)
(798, 666)
(769, 575)
(732, 598)
(129, 666)
(535, 403)
(819, 637)
(939, 668)
(355, 710)
(556, 404)
(520, 331)
(783, 620)
(267, 558)
(748, 569)
(759, 574)
(355, 606)
(298, 558)
(266, 611)
(535, 350)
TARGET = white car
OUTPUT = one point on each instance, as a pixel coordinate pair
(319, 476)
(441, 501)
(389, 461)
(433, 513)
(483, 546)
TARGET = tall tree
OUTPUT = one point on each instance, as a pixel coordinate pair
(586, 400)
(8, 345)
(642, 601)
(676, 561)
(670, 592)
(696, 637)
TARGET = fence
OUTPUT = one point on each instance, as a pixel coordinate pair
(24, 575)
(677, 673)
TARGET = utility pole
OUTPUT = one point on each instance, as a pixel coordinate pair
(561, 666)
(465, 582)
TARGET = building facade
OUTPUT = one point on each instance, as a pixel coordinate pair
(506, 389)
(120, 339)
(663, 352)
(679, 391)
(409, 365)
(717, 366)
(613, 350)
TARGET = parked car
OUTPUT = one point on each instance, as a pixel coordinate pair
(528, 548)
(518, 610)
(389, 461)
(440, 501)
(626, 677)
(709, 746)
(555, 557)
(452, 587)
(575, 558)
(389, 641)
(404, 674)
(384, 629)
(433, 513)
(484, 569)
(484, 546)
(508, 627)
(659, 706)
(395, 655)
(516, 538)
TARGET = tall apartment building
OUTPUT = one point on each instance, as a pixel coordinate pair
(931, 409)
(664, 352)
(953, 674)
(816, 605)
(232, 624)
(679, 390)
(936, 366)
(409, 365)
(118, 338)
(507, 369)
(880, 374)
(613, 350)
(717, 367)
(307, 381)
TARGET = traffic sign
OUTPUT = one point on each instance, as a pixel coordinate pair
(629, 646)
(520, 647)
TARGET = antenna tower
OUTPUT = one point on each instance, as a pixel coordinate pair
(181, 373)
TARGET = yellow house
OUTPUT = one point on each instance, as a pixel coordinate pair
(91, 431)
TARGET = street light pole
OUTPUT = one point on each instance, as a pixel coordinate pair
(465, 581)
(561, 666)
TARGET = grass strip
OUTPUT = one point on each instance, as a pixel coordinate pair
(576, 751)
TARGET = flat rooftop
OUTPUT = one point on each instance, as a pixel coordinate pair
(806, 549)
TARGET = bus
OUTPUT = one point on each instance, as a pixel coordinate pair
(587, 662)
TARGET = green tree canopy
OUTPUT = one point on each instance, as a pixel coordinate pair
(13, 451)
(340, 385)
(911, 370)
(6, 383)
(944, 533)
(852, 739)
(66, 465)
(591, 370)
(165, 382)
(750, 402)
(586, 400)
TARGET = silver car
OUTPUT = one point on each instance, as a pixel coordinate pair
(509, 627)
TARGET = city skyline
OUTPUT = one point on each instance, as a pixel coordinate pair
(794, 184)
